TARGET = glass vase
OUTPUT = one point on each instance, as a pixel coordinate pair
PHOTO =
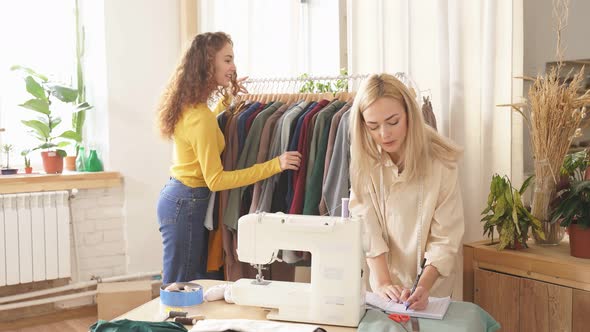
(542, 195)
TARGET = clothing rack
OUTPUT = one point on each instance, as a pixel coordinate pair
(279, 85)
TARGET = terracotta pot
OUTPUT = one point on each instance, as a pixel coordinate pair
(587, 174)
(52, 162)
(28, 170)
(579, 241)
(71, 163)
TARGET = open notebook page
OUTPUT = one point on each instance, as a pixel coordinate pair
(436, 308)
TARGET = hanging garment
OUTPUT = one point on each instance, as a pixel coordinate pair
(293, 146)
(303, 147)
(247, 158)
(337, 182)
(266, 141)
(313, 191)
(280, 142)
(332, 138)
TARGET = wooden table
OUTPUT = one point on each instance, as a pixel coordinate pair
(211, 310)
(541, 288)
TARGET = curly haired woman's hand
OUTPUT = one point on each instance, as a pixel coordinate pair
(290, 160)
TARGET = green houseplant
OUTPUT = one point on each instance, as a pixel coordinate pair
(7, 148)
(572, 204)
(506, 213)
(45, 93)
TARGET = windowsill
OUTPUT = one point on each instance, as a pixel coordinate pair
(21, 183)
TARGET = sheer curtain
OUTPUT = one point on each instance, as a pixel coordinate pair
(464, 54)
(277, 38)
(38, 34)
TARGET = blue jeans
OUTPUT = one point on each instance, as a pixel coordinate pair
(181, 215)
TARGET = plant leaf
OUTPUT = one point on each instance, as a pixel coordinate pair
(46, 146)
(34, 88)
(62, 144)
(525, 185)
(61, 153)
(71, 135)
(39, 127)
(55, 122)
(63, 93)
(38, 105)
(30, 72)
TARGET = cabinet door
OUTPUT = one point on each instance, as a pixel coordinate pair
(544, 307)
(581, 311)
(498, 294)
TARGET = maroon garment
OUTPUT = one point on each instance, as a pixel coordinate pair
(303, 148)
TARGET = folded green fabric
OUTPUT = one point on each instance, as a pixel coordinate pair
(126, 325)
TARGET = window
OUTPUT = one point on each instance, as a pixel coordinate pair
(38, 34)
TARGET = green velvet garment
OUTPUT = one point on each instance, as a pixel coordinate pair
(126, 325)
(460, 317)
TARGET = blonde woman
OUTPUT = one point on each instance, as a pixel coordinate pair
(405, 186)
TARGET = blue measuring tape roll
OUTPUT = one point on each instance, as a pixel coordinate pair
(191, 294)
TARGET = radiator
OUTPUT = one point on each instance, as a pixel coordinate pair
(34, 237)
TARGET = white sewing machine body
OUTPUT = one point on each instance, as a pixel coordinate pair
(336, 294)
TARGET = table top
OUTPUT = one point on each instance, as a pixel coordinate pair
(150, 311)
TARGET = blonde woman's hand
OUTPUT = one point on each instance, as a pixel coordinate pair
(390, 292)
(290, 160)
(418, 300)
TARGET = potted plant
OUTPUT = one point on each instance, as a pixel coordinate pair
(28, 168)
(572, 205)
(7, 148)
(506, 213)
(45, 93)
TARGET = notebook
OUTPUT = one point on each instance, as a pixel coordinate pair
(436, 309)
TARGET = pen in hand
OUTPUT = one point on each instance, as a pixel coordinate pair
(407, 304)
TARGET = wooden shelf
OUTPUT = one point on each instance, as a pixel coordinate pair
(20, 183)
(540, 288)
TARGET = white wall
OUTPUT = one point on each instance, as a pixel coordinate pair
(142, 49)
(540, 43)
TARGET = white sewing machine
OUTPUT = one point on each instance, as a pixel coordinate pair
(336, 294)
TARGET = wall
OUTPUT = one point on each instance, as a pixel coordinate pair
(142, 49)
(134, 48)
(98, 233)
(540, 43)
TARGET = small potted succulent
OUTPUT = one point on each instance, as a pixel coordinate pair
(28, 168)
(7, 148)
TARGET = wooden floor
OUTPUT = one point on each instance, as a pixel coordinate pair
(71, 321)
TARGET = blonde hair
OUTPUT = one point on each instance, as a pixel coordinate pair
(422, 143)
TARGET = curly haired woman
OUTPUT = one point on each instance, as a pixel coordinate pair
(207, 68)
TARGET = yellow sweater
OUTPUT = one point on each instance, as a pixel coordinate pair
(198, 143)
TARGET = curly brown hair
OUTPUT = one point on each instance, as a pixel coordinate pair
(193, 81)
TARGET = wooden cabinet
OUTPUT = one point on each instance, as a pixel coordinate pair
(535, 289)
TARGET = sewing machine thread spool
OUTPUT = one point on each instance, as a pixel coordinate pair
(345, 212)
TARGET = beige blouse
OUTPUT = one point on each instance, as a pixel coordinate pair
(412, 220)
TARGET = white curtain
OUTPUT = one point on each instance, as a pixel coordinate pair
(465, 55)
(277, 38)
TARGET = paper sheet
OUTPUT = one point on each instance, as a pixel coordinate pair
(436, 308)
